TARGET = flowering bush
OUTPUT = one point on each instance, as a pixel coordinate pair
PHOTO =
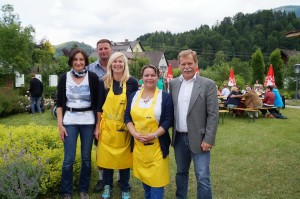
(39, 147)
(11, 102)
(19, 174)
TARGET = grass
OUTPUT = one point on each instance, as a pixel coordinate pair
(250, 160)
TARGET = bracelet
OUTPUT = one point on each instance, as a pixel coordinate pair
(155, 136)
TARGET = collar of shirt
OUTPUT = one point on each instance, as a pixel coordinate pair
(182, 79)
(99, 64)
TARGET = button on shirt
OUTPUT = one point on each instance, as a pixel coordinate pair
(97, 68)
(184, 97)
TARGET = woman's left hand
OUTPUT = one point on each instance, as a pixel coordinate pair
(139, 137)
(148, 137)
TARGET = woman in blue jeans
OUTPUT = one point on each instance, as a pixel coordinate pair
(77, 110)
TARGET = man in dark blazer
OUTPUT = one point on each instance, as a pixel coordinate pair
(195, 125)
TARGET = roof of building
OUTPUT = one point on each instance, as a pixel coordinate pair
(293, 34)
(154, 56)
(289, 53)
(174, 63)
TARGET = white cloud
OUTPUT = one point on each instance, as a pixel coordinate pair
(88, 21)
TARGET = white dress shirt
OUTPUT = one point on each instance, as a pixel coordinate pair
(184, 97)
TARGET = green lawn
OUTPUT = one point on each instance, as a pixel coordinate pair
(250, 160)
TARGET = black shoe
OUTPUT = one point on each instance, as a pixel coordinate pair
(99, 186)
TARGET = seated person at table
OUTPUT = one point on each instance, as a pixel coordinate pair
(268, 101)
(233, 102)
(225, 92)
(239, 89)
(278, 102)
(251, 99)
(260, 91)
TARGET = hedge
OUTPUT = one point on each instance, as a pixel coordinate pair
(38, 147)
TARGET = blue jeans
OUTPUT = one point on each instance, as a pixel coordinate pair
(37, 101)
(183, 157)
(86, 133)
(153, 192)
(124, 178)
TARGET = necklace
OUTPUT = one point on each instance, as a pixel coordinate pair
(146, 100)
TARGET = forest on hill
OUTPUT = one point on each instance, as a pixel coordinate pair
(238, 37)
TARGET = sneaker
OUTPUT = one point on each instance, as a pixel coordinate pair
(106, 192)
(83, 195)
(99, 186)
(126, 195)
(256, 114)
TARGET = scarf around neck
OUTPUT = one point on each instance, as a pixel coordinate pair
(79, 74)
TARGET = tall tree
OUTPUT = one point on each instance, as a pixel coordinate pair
(16, 42)
(43, 56)
(136, 65)
(258, 66)
(277, 63)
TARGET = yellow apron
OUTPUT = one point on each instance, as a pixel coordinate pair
(113, 151)
(148, 163)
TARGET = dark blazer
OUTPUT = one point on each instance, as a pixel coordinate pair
(203, 112)
(166, 120)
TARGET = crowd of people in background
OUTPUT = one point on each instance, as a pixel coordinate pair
(129, 121)
(256, 98)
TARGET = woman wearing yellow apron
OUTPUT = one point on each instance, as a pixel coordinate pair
(113, 151)
(149, 114)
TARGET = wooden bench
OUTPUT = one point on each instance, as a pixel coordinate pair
(222, 113)
(267, 107)
(251, 112)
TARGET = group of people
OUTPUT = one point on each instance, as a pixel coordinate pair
(256, 98)
(130, 126)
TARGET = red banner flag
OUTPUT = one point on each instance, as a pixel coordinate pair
(169, 74)
(231, 81)
(270, 79)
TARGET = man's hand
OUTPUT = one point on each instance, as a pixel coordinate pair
(205, 146)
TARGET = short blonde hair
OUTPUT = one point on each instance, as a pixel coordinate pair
(108, 78)
(186, 53)
(234, 89)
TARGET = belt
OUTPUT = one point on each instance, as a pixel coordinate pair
(79, 109)
(181, 132)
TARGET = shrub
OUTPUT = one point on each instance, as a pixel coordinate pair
(43, 144)
(19, 174)
(11, 102)
(8, 101)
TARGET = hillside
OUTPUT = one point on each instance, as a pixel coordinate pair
(72, 44)
(171, 39)
(288, 9)
(237, 37)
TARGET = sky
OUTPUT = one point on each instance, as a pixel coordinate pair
(88, 21)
